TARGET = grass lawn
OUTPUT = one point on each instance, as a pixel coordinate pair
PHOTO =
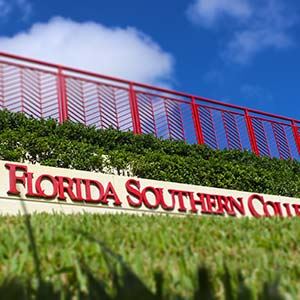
(262, 249)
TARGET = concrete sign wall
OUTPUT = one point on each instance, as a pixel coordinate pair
(47, 189)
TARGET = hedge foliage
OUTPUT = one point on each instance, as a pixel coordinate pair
(73, 145)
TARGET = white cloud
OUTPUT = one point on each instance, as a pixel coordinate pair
(9, 6)
(122, 52)
(255, 25)
(209, 12)
(246, 44)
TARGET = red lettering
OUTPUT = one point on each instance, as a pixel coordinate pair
(163, 203)
(41, 192)
(296, 209)
(157, 195)
(211, 203)
(14, 179)
(133, 188)
(30, 192)
(237, 204)
(251, 199)
(266, 209)
(78, 187)
(199, 201)
(180, 195)
(288, 209)
(111, 193)
(65, 185)
(277, 208)
(88, 184)
(223, 205)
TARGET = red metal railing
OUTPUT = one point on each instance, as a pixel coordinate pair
(46, 90)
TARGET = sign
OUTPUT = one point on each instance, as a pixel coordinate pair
(48, 189)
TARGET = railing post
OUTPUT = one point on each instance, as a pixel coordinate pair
(251, 133)
(136, 123)
(197, 124)
(296, 135)
(62, 96)
(2, 86)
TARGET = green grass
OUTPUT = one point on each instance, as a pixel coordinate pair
(262, 249)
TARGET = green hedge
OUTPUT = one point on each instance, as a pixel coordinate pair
(73, 145)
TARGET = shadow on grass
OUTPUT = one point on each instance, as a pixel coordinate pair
(126, 285)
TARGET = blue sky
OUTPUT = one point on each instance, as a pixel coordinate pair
(244, 52)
